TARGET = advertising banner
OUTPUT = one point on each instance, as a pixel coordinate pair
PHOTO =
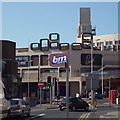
(22, 61)
(86, 59)
(59, 59)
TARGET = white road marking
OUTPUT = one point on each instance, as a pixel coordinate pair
(87, 115)
(40, 115)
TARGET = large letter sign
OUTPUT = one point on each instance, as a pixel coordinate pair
(59, 59)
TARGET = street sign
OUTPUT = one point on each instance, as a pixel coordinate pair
(95, 82)
(41, 84)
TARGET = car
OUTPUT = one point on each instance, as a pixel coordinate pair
(4, 101)
(98, 96)
(74, 104)
(19, 107)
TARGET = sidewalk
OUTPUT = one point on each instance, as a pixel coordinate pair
(106, 111)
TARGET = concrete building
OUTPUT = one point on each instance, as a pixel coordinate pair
(107, 42)
(48, 56)
(49, 61)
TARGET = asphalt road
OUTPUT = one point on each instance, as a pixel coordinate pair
(102, 111)
(53, 113)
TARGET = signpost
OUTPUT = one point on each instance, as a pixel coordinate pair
(41, 84)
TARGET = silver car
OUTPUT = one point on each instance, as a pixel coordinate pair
(19, 107)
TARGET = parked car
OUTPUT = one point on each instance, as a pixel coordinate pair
(98, 96)
(19, 107)
(4, 101)
(74, 104)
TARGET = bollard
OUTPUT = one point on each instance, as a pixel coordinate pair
(95, 102)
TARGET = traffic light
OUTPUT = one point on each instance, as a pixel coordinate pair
(58, 97)
(49, 80)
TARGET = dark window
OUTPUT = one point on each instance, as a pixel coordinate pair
(49, 70)
(44, 59)
(35, 60)
(106, 43)
(116, 42)
(14, 102)
(98, 43)
(64, 46)
(119, 41)
(76, 46)
(101, 43)
(110, 42)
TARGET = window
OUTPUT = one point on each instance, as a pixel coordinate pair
(14, 102)
(98, 44)
(44, 44)
(102, 43)
(110, 42)
(53, 36)
(49, 71)
(116, 42)
(106, 43)
(54, 45)
(35, 46)
(35, 60)
(76, 46)
(44, 59)
(119, 41)
(64, 46)
(93, 44)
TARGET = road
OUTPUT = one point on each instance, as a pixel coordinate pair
(103, 110)
(53, 113)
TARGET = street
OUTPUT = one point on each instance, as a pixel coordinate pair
(102, 110)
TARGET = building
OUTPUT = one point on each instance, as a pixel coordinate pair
(48, 56)
(9, 67)
(109, 42)
(38, 62)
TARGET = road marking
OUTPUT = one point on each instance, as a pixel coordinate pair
(40, 115)
(87, 115)
(84, 116)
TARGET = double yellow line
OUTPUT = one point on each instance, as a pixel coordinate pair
(84, 116)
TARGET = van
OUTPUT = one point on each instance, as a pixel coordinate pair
(4, 102)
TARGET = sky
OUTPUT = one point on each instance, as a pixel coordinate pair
(28, 22)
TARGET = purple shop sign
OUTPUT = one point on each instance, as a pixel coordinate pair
(59, 59)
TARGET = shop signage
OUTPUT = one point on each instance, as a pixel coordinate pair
(22, 61)
(86, 59)
(59, 59)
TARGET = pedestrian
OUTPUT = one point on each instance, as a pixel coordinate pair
(77, 94)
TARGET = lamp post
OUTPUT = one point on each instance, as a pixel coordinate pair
(67, 88)
(92, 99)
(102, 78)
(29, 61)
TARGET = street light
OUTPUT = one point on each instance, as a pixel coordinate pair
(102, 77)
(29, 61)
(92, 99)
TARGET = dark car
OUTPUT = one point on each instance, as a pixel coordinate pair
(19, 107)
(74, 104)
(98, 96)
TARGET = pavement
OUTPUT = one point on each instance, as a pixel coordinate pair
(104, 110)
